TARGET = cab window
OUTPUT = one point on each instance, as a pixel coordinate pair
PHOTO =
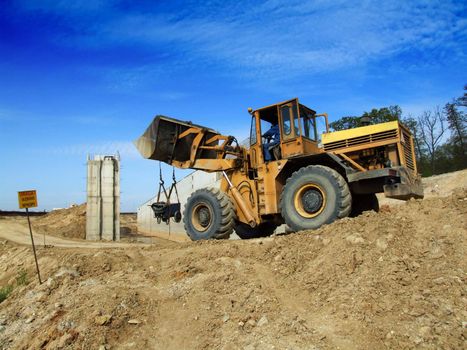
(295, 119)
(285, 112)
(253, 131)
(308, 125)
(290, 120)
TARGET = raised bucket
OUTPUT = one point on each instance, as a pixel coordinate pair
(160, 141)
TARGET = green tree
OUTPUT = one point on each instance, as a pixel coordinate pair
(457, 122)
(376, 116)
(462, 101)
(385, 114)
(345, 123)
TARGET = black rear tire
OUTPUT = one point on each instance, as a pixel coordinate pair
(245, 231)
(363, 202)
(209, 214)
(313, 196)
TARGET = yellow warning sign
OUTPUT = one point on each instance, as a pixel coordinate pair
(27, 199)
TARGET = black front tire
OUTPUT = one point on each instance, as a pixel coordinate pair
(313, 196)
(209, 214)
(245, 231)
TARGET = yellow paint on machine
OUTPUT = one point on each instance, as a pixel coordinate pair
(27, 199)
(357, 132)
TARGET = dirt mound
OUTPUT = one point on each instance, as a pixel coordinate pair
(70, 222)
(128, 224)
(394, 280)
(444, 184)
(434, 186)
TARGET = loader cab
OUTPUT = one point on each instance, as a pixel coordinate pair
(298, 129)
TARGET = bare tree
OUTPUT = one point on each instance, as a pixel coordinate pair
(413, 125)
(431, 127)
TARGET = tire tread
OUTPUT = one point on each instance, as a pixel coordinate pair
(227, 212)
(345, 202)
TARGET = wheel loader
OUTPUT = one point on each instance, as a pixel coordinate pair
(299, 177)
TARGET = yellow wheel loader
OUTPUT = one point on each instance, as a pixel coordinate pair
(291, 173)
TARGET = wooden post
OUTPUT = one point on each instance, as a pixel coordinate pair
(34, 247)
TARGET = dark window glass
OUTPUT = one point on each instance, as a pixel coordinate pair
(305, 125)
(308, 124)
(285, 111)
(295, 119)
(253, 131)
(320, 127)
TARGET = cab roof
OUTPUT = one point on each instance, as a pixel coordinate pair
(269, 113)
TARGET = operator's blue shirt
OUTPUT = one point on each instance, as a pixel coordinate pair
(273, 133)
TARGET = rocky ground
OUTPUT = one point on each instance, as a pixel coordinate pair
(394, 279)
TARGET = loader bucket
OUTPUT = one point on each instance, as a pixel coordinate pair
(161, 140)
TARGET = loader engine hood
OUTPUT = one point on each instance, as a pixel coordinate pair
(161, 140)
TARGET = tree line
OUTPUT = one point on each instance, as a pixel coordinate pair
(440, 134)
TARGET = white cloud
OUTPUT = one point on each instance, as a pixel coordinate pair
(277, 39)
(297, 37)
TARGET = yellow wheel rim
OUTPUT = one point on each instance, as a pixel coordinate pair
(310, 200)
(201, 217)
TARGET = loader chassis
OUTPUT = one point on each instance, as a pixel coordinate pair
(310, 180)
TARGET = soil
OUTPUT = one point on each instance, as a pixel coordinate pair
(434, 186)
(394, 279)
(71, 223)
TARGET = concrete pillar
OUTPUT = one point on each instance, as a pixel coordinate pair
(93, 203)
(103, 199)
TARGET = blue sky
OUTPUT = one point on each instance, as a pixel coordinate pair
(80, 77)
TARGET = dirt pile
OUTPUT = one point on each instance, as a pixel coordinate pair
(70, 222)
(128, 224)
(390, 280)
(444, 184)
(434, 186)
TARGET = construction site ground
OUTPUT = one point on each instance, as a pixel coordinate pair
(394, 279)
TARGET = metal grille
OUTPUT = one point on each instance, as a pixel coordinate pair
(362, 140)
(408, 151)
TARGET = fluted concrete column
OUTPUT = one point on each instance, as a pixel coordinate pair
(103, 198)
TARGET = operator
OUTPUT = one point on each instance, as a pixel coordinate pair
(273, 138)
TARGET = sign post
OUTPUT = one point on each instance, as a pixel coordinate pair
(26, 200)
